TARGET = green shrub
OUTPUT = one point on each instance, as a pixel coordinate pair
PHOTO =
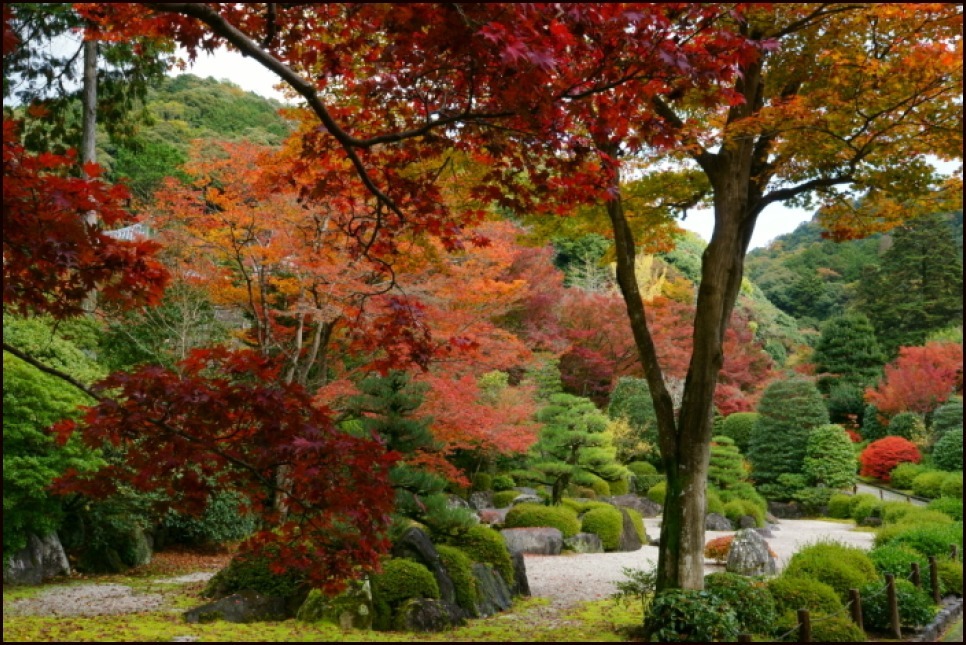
(893, 512)
(715, 505)
(902, 475)
(908, 425)
(915, 606)
(596, 483)
(735, 509)
(690, 616)
(503, 482)
(504, 498)
(825, 629)
(920, 515)
(928, 539)
(840, 566)
(485, 545)
(739, 426)
(482, 481)
(221, 522)
(792, 593)
(727, 465)
(399, 580)
(657, 492)
(619, 487)
(606, 523)
(645, 476)
(582, 506)
(753, 604)
(559, 517)
(838, 506)
(861, 498)
(897, 560)
(929, 484)
(813, 499)
(459, 566)
(953, 486)
(829, 458)
(638, 521)
(245, 572)
(866, 508)
(743, 490)
(949, 506)
(950, 577)
(948, 416)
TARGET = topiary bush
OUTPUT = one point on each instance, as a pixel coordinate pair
(838, 506)
(459, 566)
(753, 604)
(953, 486)
(582, 506)
(485, 545)
(908, 425)
(915, 606)
(559, 517)
(399, 580)
(658, 492)
(950, 577)
(948, 506)
(792, 593)
(947, 454)
(840, 566)
(645, 476)
(735, 509)
(829, 458)
(714, 503)
(893, 512)
(881, 456)
(504, 498)
(897, 560)
(594, 482)
(927, 539)
(690, 616)
(929, 484)
(726, 467)
(825, 629)
(948, 416)
(607, 523)
(739, 427)
(246, 572)
(619, 487)
(503, 482)
(920, 515)
(866, 508)
(482, 481)
(902, 475)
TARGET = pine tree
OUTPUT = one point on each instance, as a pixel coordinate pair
(918, 289)
(848, 359)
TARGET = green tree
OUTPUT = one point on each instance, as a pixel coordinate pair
(739, 426)
(948, 416)
(573, 441)
(789, 410)
(727, 464)
(631, 400)
(919, 287)
(830, 460)
(848, 359)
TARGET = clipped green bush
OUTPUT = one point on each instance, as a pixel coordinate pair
(893, 512)
(836, 628)
(829, 458)
(503, 482)
(897, 560)
(619, 487)
(657, 492)
(504, 498)
(594, 482)
(929, 484)
(950, 577)
(737, 508)
(743, 490)
(948, 506)
(753, 604)
(953, 486)
(948, 416)
(246, 572)
(840, 566)
(399, 580)
(727, 465)
(582, 506)
(486, 545)
(838, 506)
(921, 515)
(792, 593)
(861, 498)
(645, 476)
(866, 508)
(739, 427)
(559, 517)
(927, 539)
(607, 523)
(915, 606)
(901, 476)
(459, 566)
(482, 481)
(714, 503)
(690, 616)
(907, 425)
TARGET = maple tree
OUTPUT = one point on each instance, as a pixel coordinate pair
(919, 380)
(881, 456)
(826, 96)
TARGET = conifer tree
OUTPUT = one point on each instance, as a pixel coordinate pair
(848, 359)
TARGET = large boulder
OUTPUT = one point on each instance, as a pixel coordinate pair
(584, 543)
(642, 505)
(428, 615)
(717, 522)
(527, 498)
(493, 516)
(630, 540)
(494, 593)
(481, 499)
(416, 545)
(42, 559)
(352, 609)
(785, 510)
(242, 607)
(749, 555)
(537, 540)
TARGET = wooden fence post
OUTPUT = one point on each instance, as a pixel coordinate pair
(744, 638)
(916, 576)
(804, 626)
(954, 552)
(934, 579)
(856, 608)
(893, 601)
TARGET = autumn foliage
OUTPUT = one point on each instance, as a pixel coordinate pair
(919, 380)
(880, 457)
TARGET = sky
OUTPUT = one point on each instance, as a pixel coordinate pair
(776, 220)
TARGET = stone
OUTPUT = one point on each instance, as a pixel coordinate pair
(747, 522)
(785, 511)
(521, 585)
(416, 545)
(584, 543)
(717, 522)
(526, 498)
(352, 609)
(526, 490)
(749, 555)
(537, 540)
(630, 540)
(765, 531)
(481, 499)
(493, 590)
(455, 501)
(493, 516)
(428, 615)
(642, 505)
(242, 607)
(42, 559)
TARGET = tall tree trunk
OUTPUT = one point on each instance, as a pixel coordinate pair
(89, 136)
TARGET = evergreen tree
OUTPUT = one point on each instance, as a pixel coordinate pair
(948, 416)
(631, 400)
(830, 460)
(919, 287)
(848, 359)
(789, 410)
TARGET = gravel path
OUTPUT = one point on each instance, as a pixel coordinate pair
(565, 579)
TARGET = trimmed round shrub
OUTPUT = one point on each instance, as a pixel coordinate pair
(735, 509)
(753, 604)
(459, 566)
(830, 458)
(840, 566)
(690, 616)
(399, 580)
(915, 606)
(902, 475)
(485, 545)
(607, 523)
(881, 456)
(482, 481)
(908, 425)
(950, 577)
(739, 426)
(921, 515)
(247, 572)
(893, 512)
(657, 492)
(715, 505)
(948, 416)
(582, 506)
(947, 454)
(825, 629)
(948, 506)
(897, 560)
(860, 499)
(792, 593)
(929, 484)
(927, 539)
(743, 490)
(597, 484)
(838, 506)
(645, 475)
(504, 498)
(727, 465)
(619, 487)
(503, 482)
(866, 508)
(558, 517)
(953, 486)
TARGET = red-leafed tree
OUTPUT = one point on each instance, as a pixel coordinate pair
(880, 457)
(919, 380)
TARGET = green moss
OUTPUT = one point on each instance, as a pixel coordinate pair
(399, 580)
(580, 507)
(485, 545)
(504, 498)
(607, 523)
(559, 517)
(840, 566)
(657, 492)
(638, 521)
(792, 593)
(459, 566)
(618, 487)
